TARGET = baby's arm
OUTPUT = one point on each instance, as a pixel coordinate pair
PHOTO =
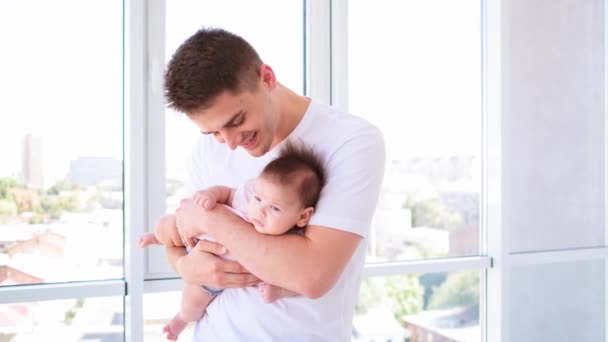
(216, 194)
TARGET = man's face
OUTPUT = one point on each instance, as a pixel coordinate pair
(248, 120)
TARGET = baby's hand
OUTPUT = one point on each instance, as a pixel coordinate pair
(205, 199)
(271, 293)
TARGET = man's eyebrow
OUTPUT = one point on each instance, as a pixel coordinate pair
(234, 117)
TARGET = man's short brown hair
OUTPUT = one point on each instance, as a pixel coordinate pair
(208, 63)
(299, 166)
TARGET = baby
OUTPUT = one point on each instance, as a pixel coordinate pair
(282, 200)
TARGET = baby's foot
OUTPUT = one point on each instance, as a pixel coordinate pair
(174, 328)
(148, 239)
(270, 293)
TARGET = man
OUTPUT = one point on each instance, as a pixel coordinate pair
(223, 86)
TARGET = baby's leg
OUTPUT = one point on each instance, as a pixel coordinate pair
(271, 293)
(148, 239)
(194, 303)
(165, 233)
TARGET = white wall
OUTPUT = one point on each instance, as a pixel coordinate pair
(553, 194)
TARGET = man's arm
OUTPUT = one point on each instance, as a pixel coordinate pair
(309, 264)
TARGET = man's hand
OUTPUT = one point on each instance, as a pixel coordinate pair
(201, 267)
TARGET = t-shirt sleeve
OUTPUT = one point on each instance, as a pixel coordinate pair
(354, 177)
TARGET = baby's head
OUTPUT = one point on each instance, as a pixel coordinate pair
(287, 191)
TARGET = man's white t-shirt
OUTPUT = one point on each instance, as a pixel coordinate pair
(353, 153)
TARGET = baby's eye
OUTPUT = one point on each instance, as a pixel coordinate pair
(275, 208)
(257, 198)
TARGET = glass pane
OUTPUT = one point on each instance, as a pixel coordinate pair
(558, 302)
(159, 309)
(282, 49)
(84, 319)
(61, 170)
(423, 90)
(555, 132)
(427, 307)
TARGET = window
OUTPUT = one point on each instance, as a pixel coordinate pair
(419, 307)
(61, 142)
(430, 200)
(61, 191)
(79, 319)
(159, 308)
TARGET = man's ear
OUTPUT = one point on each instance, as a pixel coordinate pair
(268, 77)
(305, 217)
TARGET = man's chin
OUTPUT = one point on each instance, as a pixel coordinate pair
(256, 151)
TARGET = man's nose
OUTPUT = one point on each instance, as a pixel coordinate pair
(231, 140)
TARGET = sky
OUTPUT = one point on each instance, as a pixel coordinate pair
(61, 79)
(414, 71)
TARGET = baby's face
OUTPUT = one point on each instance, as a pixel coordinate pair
(274, 209)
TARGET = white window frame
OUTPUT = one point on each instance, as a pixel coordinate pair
(493, 236)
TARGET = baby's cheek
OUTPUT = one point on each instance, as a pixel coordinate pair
(250, 211)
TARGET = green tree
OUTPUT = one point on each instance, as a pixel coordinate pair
(8, 208)
(459, 289)
(430, 281)
(27, 200)
(51, 205)
(402, 293)
(62, 185)
(6, 185)
(37, 218)
(371, 293)
(70, 202)
(406, 294)
(68, 316)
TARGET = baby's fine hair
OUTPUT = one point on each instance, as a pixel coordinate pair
(299, 166)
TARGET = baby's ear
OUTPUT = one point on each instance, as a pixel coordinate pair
(305, 216)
